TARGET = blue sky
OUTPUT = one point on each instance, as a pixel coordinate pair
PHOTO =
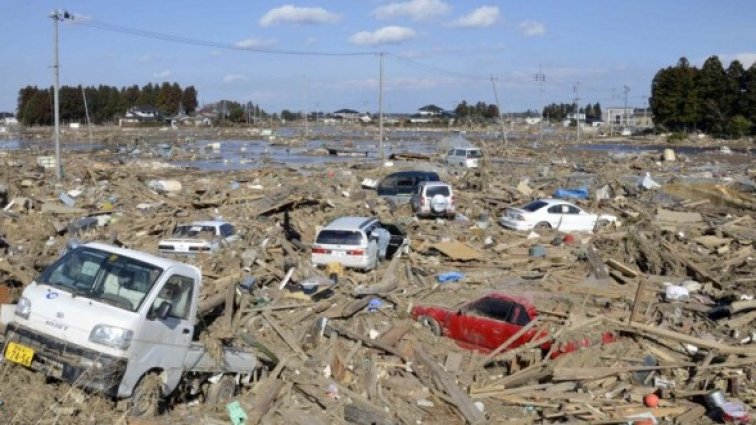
(437, 51)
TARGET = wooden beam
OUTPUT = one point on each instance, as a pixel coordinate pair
(446, 382)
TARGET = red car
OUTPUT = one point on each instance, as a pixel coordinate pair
(486, 323)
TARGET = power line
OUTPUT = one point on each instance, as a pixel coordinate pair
(206, 43)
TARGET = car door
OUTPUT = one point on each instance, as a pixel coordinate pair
(555, 217)
(163, 343)
(480, 323)
(572, 220)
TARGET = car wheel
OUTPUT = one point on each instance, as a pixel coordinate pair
(145, 401)
(431, 324)
(222, 391)
(543, 225)
(602, 224)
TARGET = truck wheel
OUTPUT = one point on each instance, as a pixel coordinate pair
(222, 391)
(431, 324)
(146, 398)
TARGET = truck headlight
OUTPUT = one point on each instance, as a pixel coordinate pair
(111, 336)
(23, 308)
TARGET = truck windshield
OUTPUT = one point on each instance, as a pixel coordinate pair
(103, 276)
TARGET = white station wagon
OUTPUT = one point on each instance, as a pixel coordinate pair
(358, 242)
(553, 214)
(199, 236)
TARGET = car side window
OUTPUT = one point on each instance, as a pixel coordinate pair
(226, 230)
(177, 291)
(518, 316)
(572, 210)
(491, 308)
(555, 209)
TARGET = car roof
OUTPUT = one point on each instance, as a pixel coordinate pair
(412, 173)
(552, 201)
(349, 223)
(426, 183)
(210, 223)
(163, 263)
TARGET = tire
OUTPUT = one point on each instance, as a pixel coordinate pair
(222, 391)
(431, 324)
(543, 225)
(145, 401)
(602, 224)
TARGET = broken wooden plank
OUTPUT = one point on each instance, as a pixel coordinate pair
(446, 382)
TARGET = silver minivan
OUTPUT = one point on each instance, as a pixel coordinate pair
(464, 157)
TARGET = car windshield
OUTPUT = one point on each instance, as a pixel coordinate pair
(475, 153)
(432, 191)
(339, 237)
(103, 276)
(194, 232)
(534, 206)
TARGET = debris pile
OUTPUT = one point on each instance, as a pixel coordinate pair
(673, 283)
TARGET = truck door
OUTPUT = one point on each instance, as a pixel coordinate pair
(163, 343)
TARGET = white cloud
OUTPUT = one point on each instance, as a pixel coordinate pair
(162, 74)
(385, 35)
(234, 78)
(145, 58)
(415, 9)
(482, 17)
(290, 14)
(254, 43)
(745, 58)
(532, 28)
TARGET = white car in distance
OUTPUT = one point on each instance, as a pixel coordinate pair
(553, 214)
(198, 236)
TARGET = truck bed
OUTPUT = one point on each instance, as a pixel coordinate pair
(237, 360)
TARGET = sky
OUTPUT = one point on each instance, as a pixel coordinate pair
(323, 55)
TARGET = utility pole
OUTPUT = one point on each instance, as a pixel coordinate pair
(380, 110)
(304, 95)
(627, 89)
(577, 109)
(86, 110)
(540, 78)
(498, 106)
(56, 16)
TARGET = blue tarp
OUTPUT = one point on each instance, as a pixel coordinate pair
(580, 193)
(450, 277)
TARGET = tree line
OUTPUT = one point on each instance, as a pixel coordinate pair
(559, 112)
(105, 103)
(712, 99)
(478, 112)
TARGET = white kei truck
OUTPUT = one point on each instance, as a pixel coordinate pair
(122, 323)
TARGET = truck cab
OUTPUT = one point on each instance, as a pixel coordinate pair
(106, 317)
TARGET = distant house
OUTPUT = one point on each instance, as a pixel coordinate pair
(430, 111)
(532, 120)
(140, 116)
(8, 118)
(628, 117)
(347, 114)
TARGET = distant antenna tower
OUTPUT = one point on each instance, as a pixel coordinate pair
(540, 78)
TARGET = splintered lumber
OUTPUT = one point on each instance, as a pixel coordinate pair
(264, 401)
(598, 267)
(387, 284)
(636, 301)
(366, 341)
(687, 339)
(288, 339)
(446, 382)
(361, 415)
(700, 272)
(392, 336)
(694, 413)
(622, 268)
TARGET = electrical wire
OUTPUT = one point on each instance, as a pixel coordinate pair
(205, 43)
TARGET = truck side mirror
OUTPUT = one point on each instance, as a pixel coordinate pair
(163, 311)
